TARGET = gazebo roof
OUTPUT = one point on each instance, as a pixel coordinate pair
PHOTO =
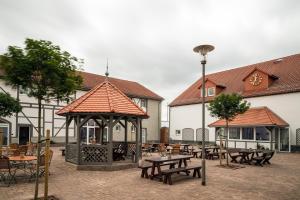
(104, 98)
(258, 116)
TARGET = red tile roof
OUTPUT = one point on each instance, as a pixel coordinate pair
(259, 116)
(104, 98)
(130, 88)
(286, 70)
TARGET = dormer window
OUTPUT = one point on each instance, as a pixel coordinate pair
(211, 91)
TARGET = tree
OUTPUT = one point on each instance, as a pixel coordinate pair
(45, 72)
(227, 107)
(8, 106)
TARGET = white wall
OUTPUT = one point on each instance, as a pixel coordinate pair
(189, 116)
(286, 106)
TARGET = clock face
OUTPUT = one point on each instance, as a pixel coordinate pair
(256, 79)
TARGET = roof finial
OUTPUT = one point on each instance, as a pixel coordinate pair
(106, 73)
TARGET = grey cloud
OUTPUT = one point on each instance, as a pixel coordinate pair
(151, 41)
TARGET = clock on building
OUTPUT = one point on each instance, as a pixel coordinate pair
(256, 79)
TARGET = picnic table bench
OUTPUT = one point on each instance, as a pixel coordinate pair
(157, 161)
(148, 165)
(264, 158)
(167, 174)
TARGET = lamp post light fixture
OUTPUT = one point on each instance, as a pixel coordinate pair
(203, 50)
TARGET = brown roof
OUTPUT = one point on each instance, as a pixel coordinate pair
(130, 88)
(259, 116)
(104, 98)
(286, 73)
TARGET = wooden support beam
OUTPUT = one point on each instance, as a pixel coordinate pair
(116, 121)
(137, 141)
(126, 130)
(121, 123)
(78, 139)
(85, 120)
(110, 139)
(104, 120)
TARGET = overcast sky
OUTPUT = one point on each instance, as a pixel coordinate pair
(151, 41)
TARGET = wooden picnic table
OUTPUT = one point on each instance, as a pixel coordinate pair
(247, 155)
(157, 161)
(22, 158)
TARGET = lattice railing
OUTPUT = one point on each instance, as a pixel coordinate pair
(94, 154)
(71, 153)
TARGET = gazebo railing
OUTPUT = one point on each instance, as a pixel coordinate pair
(94, 154)
(71, 153)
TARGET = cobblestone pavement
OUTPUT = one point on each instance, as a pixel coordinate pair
(280, 180)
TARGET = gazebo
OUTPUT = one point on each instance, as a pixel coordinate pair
(107, 106)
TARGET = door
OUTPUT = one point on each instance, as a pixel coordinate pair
(144, 135)
(24, 135)
(5, 129)
(284, 139)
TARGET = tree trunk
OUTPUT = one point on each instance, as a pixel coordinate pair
(36, 191)
(227, 135)
(220, 153)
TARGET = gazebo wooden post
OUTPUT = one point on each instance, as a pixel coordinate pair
(110, 137)
(102, 132)
(126, 130)
(78, 139)
(67, 137)
(137, 140)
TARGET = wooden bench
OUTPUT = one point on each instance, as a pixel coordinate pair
(268, 157)
(63, 151)
(195, 153)
(149, 165)
(234, 154)
(168, 173)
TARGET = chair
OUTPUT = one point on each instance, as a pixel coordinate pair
(146, 149)
(176, 149)
(161, 148)
(23, 149)
(6, 172)
(32, 166)
(14, 146)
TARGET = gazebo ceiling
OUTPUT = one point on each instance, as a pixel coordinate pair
(104, 98)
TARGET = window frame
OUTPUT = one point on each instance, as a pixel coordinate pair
(253, 132)
(239, 131)
(209, 89)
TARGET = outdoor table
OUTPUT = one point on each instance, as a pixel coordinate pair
(245, 153)
(157, 161)
(21, 162)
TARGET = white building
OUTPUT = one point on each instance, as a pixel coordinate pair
(272, 85)
(22, 127)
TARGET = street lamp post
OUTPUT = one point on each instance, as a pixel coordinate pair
(203, 50)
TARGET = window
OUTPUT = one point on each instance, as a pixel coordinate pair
(144, 135)
(133, 128)
(220, 132)
(118, 128)
(142, 103)
(211, 91)
(247, 133)
(262, 133)
(177, 132)
(234, 133)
